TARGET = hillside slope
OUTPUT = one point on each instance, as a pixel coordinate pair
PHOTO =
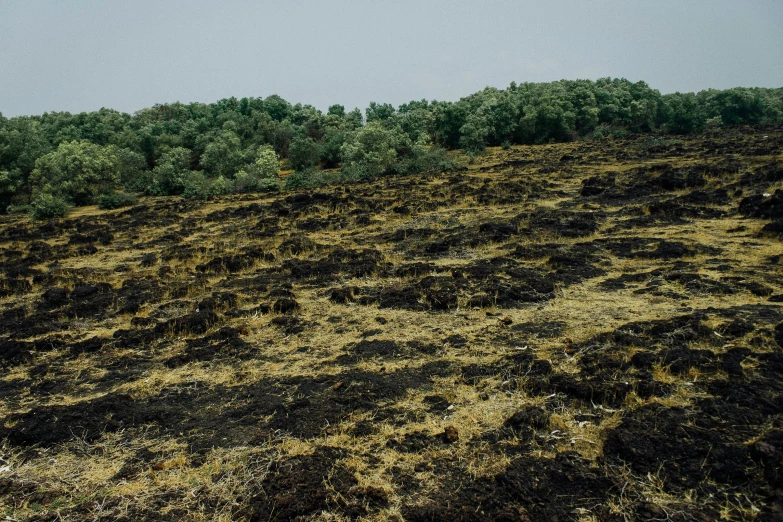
(582, 331)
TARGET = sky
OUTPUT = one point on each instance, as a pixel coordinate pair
(81, 55)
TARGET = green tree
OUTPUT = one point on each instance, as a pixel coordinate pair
(277, 107)
(78, 171)
(474, 133)
(330, 146)
(303, 153)
(171, 172)
(10, 183)
(223, 156)
(354, 119)
(379, 111)
(373, 149)
(681, 113)
(266, 165)
(336, 110)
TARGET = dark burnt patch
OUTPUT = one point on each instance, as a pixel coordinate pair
(226, 342)
(304, 407)
(692, 447)
(564, 223)
(529, 489)
(308, 485)
(763, 207)
(541, 330)
(340, 262)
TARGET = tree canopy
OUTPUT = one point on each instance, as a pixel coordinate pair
(158, 149)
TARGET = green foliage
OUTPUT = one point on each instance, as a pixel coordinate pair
(133, 166)
(223, 156)
(303, 153)
(331, 145)
(336, 110)
(80, 156)
(199, 186)
(266, 165)
(10, 183)
(474, 133)
(19, 209)
(170, 174)
(373, 149)
(425, 159)
(116, 200)
(48, 206)
(195, 185)
(220, 186)
(311, 177)
(268, 185)
(245, 182)
(78, 171)
(379, 112)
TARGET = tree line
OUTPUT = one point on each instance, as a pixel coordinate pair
(52, 161)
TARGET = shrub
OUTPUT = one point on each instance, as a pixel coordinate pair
(268, 185)
(248, 182)
(47, 206)
(266, 164)
(195, 185)
(18, 209)
(198, 186)
(311, 177)
(116, 200)
(425, 159)
(79, 170)
(220, 186)
(303, 153)
(374, 149)
(170, 174)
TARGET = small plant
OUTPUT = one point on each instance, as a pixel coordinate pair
(505, 145)
(427, 159)
(311, 177)
(18, 209)
(246, 182)
(116, 200)
(47, 206)
(653, 143)
(268, 185)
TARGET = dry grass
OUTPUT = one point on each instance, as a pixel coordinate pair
(102, 477)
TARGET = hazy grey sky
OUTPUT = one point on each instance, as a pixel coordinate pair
(80, 55)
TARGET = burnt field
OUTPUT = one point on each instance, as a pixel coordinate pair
(585, 331)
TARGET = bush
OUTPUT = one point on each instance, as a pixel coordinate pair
(248, 182)
(266, 164)
(220, 186)
(311, 177)
(170, 174)
(268, 185)
(428, 159)
(47, 206)
(18, 209)
(195, 185)
(116, 200)
(303, 153)
(198, 186)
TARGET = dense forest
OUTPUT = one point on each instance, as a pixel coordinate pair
(56, 160)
